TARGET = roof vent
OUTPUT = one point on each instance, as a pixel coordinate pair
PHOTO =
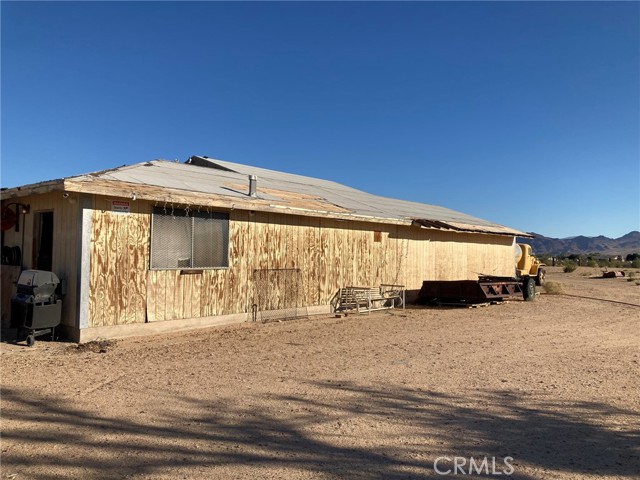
(253, 185)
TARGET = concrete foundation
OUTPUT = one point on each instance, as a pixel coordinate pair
(140, 329)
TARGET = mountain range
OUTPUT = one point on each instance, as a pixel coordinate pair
(629, 243)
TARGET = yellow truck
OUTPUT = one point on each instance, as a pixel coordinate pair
(528, 273)
(527, 265)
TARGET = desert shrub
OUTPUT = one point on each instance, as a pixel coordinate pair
(546, 259)
(635, 263)
(592, 262)
(570, 266)
(553, 288)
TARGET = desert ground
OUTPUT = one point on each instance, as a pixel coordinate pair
(553, 384)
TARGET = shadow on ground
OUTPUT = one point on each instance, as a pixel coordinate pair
(313, 434)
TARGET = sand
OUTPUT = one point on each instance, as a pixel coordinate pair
(550, 388)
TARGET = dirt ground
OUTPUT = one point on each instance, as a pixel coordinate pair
(554, 384)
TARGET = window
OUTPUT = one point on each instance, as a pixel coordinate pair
(186, 239)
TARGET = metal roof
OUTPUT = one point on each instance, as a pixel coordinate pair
(205, 181)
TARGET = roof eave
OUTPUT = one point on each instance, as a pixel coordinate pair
(164, 195)
(467, 228)
(33, 189)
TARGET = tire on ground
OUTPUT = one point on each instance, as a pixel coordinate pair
(529, 289)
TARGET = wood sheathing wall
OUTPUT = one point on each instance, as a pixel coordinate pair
(330, 254)
(65, 252)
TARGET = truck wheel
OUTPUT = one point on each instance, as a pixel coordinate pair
(540, 277)
(529, 289)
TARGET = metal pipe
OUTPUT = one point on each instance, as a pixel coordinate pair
(253, 185)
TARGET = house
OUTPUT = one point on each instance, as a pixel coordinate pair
(162, 245)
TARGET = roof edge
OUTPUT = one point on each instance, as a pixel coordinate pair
(33, 189)
(467, 228)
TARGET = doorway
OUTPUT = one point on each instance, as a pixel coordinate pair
(43, 241)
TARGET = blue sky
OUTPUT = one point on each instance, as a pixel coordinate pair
(524, 113)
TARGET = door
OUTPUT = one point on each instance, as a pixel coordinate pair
(43, 241)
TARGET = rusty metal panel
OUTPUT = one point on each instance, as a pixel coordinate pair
(469, 291)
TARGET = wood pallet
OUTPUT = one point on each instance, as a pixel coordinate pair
(469, 305)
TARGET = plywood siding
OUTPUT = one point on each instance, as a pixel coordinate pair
(119, 264)
(65, 251)
(329, 254)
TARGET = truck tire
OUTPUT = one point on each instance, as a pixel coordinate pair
(529, 289)
(540, 277)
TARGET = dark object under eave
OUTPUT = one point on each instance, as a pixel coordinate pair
(463, 292)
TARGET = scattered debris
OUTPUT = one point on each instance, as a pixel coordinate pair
(613, 274)
(97, 346)
(478, 305)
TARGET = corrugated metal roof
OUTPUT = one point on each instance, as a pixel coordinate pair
(361, 202)
(227, 182)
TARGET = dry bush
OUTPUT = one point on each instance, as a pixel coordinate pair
(553, 288)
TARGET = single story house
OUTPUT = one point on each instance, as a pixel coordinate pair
(163, 245)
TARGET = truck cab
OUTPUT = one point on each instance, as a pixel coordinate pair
(527, 265)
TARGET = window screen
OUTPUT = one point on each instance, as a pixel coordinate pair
(181, 239)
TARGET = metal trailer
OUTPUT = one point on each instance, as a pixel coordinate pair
(485, 289)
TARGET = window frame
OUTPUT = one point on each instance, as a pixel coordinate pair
(189, 213)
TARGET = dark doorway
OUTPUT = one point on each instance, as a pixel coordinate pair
(43, 241)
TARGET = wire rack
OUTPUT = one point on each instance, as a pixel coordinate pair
(278, 294)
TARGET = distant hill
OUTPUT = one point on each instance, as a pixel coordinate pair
(629, 243)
